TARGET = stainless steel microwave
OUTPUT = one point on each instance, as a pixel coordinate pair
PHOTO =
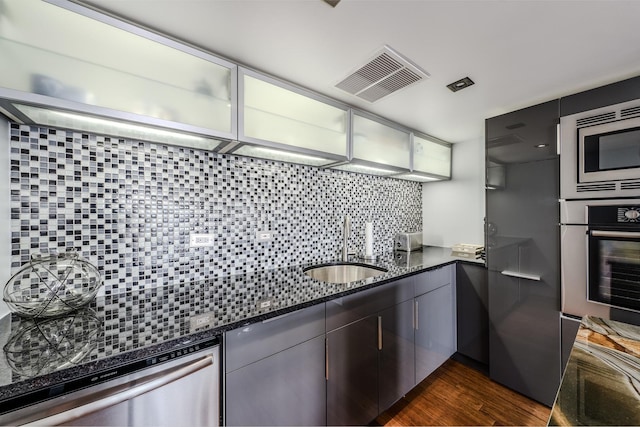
(600, 152)
(609, 151)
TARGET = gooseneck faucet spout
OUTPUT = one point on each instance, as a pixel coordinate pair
(346, 232)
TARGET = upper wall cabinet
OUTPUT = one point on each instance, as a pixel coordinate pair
(283, 122)
(66, 56)
(432, 157)
(379, 147)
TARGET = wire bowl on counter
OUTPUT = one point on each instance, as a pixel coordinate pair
(41, 346)
(52, 285)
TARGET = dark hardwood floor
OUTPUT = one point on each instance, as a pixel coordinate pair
(457, 395)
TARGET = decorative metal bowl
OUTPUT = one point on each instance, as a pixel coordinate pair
(41, 346)
(52, 285)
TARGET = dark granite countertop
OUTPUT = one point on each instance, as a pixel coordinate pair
(601, 383)
(118, 329)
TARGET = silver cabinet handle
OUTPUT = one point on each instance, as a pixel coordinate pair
(326, 359)
(623, 234)
(521, 275)
(106, 401)
(416, 320)
(379, 332)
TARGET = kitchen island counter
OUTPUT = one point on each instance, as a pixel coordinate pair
(601, 382)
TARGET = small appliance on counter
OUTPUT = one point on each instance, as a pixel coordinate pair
(467, 250)
(408, 242)
(408, 259)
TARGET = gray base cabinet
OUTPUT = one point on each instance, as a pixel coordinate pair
(472, 305)
(369, 352)
(343, 362)
(287, 388)
(275, 371)
(396, 358)
(352, 380)
(435, 322)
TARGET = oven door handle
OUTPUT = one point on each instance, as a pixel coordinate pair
(620, 234)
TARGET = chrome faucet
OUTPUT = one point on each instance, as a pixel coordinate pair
(346, 232)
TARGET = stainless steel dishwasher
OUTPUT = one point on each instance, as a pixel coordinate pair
(178, 387)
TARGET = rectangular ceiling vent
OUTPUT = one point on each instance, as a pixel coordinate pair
(386, 73)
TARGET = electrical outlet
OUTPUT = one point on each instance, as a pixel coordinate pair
(201, 321)
(201, 240)
(264, 236)
(265, 303)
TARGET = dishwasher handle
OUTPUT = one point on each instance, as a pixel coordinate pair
(111, 400)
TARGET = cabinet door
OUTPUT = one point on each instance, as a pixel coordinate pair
(435, 330)
(432, 157)
(472, 316)
(396, 356)
(275, 115)
(380, 142)
(288, 388)
(55, 60)
(352, 384)
(524, 336)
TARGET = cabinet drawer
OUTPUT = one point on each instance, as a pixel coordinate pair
(259, 340)
(430, 280)
(345, 310)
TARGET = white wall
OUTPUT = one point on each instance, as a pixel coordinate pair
(5, 211)
(453, 211)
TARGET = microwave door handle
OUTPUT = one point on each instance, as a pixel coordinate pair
(618, 234)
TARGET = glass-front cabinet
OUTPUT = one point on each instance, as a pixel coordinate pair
(63, 55)
(66, 65)
(378, 147)
(431, 156)
(283, 122)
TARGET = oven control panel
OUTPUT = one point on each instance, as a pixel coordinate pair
(612, 215)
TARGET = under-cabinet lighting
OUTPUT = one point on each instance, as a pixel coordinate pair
(84, 123)
(281, 155)
(354, 167)
(416, 177)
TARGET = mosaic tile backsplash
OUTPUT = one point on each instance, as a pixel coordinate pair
(129, 207)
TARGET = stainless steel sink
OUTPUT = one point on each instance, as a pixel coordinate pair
(343, 272)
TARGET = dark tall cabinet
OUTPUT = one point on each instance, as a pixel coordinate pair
(522, 243)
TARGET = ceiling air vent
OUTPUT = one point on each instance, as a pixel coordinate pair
(386, 73)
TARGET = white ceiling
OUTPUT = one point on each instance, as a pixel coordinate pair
(518, 53)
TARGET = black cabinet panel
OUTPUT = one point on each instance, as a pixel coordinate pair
(352, 385)
(522, 244)
(614, 93)
(472, 302)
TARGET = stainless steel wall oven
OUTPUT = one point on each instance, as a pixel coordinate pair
(613, 248)
(600, 258)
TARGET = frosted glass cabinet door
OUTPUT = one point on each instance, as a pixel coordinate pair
(274, 113)
(378, 142)
(431, 157)
(54, 56)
